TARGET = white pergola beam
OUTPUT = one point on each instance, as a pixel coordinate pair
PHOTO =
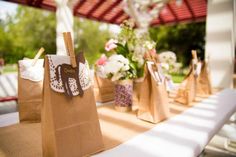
(220, 41)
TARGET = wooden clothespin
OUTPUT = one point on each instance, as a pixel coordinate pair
(149, 57)
(39, 53)
(194, 54)
(70, 48)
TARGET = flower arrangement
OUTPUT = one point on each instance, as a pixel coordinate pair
(116, 67)
(127, 54)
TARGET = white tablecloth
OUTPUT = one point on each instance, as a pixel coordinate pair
(184, 135)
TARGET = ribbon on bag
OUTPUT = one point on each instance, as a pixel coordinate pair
(66, 72)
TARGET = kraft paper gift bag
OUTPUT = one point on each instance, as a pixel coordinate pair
(30, 86)
(153, 105)
(203, 81)
(103, 89)
(187, 90)
(137, 83)
(136, 93)
(70, 125)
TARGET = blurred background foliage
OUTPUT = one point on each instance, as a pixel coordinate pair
(25, 32)
(90, 38)
(181, 39)
(22, 34)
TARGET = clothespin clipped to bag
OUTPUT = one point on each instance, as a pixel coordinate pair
(70, 48)
(39, 53)
(194, 54)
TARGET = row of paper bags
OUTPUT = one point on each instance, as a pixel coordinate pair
(196, 82)
(69, 119)
(70, 125)
(30, 102)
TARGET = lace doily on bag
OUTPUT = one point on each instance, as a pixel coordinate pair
(56, 85)
(33, 73)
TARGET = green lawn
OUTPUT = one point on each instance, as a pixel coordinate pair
(177, 78)
(9, 68)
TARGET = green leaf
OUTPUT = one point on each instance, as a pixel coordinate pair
(133, 68)
(122, 50)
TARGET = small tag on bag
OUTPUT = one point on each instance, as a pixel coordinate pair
(66, 73)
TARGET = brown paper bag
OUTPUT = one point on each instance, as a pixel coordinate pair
(136, 93)
(203, 81)
(137, 83)
(70, 125)
(187, 90)
(152, 97)
(30, 86)
(103, 89)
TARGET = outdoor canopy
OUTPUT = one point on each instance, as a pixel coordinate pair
(111, 11)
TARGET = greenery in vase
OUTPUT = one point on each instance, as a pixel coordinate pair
(129, 49)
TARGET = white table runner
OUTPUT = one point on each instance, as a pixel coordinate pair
(184, 135)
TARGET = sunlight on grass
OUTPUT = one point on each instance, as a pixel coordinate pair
(10, 68)
(177, 78)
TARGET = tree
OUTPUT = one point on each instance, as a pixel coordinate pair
(181, 39)
(22, 34)
(90, 38)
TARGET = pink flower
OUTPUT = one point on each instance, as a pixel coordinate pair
(111, 44)
(102, 60)
(153, 52)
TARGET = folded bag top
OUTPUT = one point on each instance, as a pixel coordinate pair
(32, 69)
(30, 88)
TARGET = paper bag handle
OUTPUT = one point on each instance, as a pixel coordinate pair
(39, 53)
(69, 47)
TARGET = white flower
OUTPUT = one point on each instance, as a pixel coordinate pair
(100, 71)
(116, 65)
(112, 67)
(116, 76)
(138, 58)
(149, 45)
(168, 57)
(165, 66)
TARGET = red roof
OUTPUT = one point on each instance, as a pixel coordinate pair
(111, 11)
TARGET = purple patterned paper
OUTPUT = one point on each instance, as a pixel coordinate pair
(123, 95)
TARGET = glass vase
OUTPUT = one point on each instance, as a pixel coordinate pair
(123, 95)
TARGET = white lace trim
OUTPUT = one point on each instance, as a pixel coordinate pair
(56, 85)
(33, 73)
